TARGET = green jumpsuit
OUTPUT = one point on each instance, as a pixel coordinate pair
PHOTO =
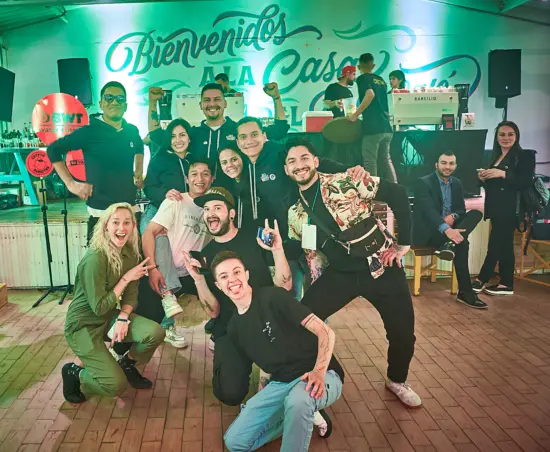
(91, 314)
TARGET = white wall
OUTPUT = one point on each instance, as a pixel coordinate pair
(409, 33)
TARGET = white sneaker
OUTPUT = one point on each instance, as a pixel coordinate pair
(404, 393)
(211, 344)
(174, 336)
(171, 305)
(322, 423)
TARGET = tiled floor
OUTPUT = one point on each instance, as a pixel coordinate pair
(484, 378)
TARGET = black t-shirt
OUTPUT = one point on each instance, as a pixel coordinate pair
(376, 117)
(271, 335)
(256, 260)
(335, 91)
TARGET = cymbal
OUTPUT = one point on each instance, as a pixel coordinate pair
(340, 130)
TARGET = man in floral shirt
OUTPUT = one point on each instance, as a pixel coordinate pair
(338, 202)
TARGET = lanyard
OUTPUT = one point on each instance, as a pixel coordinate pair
(314, 201)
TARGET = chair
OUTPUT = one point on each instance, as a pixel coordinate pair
(418, 253)
(540, 262)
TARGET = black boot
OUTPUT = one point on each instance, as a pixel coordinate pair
(446, 252)
(136, 380)
(71, 383)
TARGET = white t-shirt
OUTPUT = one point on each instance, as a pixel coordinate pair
(185, 226)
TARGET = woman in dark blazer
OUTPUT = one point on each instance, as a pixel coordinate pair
(511, 170)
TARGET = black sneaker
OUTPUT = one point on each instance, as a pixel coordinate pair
(446, 252)
(71, 383)
(325, 429)
(496, 290)
(135, 379)
(477, 286)
(472, 301)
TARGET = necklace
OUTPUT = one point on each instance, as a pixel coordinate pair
(244, 309)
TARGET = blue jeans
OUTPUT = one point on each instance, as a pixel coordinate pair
(163, 258)
(146, 217)
(280, 409)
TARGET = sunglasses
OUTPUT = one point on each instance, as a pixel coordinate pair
(109, 98)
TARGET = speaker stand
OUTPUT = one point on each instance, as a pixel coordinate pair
(66, 289)
(502, 102)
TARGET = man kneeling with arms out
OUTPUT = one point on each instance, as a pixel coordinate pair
(277, 333)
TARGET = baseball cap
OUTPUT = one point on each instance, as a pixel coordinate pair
(215, 193)
(347, 70)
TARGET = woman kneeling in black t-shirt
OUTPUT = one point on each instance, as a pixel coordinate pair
(286, 340)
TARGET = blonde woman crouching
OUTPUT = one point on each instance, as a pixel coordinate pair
(106, 289)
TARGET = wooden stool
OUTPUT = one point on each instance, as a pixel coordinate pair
(419, 271)
(3, 294)
(540, 262)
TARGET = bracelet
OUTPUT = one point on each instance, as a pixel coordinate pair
(122, 320)
(276, 98)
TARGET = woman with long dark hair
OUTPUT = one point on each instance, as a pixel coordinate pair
(511, 170)
(167, 170)
(235, 165)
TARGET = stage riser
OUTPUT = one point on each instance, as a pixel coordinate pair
(23, 259)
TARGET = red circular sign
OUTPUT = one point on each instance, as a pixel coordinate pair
(75, 165)
(38, 163)
(57, 115)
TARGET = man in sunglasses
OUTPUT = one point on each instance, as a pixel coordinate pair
(113, 155)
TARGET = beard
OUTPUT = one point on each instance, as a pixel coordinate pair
(224, 227)
(312, 173)
(442, 174)
(349, 82)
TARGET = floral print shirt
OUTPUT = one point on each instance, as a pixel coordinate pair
(349, 202)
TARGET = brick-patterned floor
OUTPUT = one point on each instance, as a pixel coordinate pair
(484, 378)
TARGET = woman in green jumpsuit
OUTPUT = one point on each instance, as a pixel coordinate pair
(106, 289)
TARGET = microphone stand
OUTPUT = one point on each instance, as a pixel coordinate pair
(67, 288)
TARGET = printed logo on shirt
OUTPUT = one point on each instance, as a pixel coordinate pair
(131, 144)
(267, 330)
(205, 142)
(266, 177)
(230, 137)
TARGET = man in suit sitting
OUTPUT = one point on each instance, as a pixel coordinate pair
(440, 220)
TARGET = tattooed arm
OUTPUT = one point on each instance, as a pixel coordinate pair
(283, 277)
(316, 378)
(207, 299)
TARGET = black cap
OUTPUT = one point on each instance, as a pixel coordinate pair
(215, 193)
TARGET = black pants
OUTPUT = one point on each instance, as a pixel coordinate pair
(468, 222)
(501, 251)
(231, 372)
(389, 294)
(92, 221)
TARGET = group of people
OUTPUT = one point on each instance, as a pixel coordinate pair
(272, 240)
(441, 219)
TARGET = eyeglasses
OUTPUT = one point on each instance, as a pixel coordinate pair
(109, 98)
